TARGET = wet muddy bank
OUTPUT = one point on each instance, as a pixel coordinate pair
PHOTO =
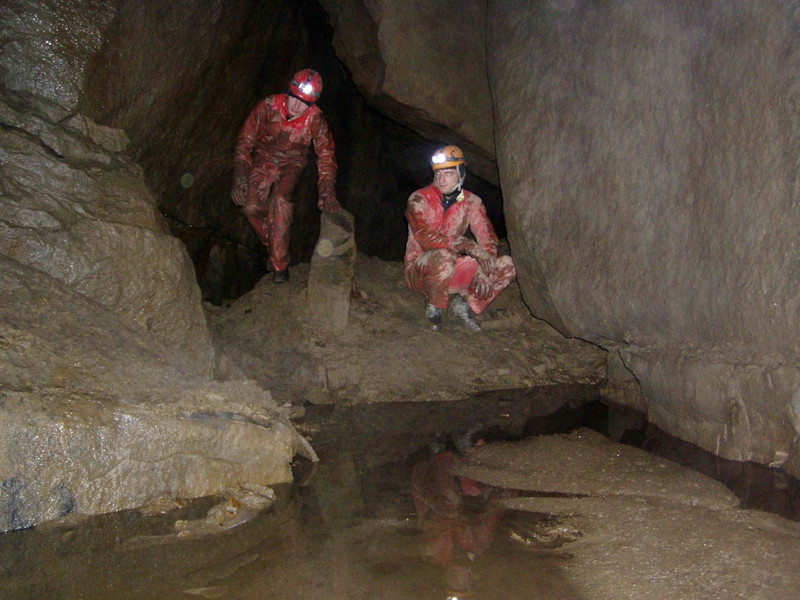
(354, 528)
(393, 432)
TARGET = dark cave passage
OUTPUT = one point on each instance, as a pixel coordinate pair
(191, 136)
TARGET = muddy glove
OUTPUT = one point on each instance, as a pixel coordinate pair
(328, 204)
(481, 286)
(486, 261)
(239, 191)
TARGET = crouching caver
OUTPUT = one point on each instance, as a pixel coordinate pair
(271, 152)
(441, 262)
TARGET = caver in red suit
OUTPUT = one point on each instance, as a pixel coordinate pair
(441, 262)
(271, 152)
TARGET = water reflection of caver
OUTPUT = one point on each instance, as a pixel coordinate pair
(457, 518)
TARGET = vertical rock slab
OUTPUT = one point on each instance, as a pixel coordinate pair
(330, 278)
(649, 155)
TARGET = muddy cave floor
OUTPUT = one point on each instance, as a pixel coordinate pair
(580, 516)
(617, 521)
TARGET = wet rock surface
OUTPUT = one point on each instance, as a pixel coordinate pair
(99, 416)
(76, 207)
(646, 196)
(106, 360)
(352, 531)
(587, 463)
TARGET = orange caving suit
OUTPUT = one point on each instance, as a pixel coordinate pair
(432, 268)
(271, 152)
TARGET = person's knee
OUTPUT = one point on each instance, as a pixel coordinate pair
(442, 261)
(280, 206)
(505, 265)
(253, 209)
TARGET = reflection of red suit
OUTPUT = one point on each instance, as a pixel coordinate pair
(271, 152)
(432, 268)
(438, 499)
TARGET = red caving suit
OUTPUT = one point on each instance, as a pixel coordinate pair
(271, 152)
(432, 268)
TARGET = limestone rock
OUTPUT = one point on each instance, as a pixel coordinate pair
(649, 169)
(74, 207)
(586, 463)
(330, 276)
(431, 79)
(99, 416)
(47, 45)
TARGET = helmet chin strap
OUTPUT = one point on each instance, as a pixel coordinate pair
(462, 173)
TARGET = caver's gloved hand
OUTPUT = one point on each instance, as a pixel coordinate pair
(239, 191)
(464, 245)
(329, 204)
(481, 286)
(486, 261)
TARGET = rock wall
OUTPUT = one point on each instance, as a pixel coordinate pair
(46, 45)
(424, 65)
(106, 360)
(73, 206)
(98, 416)
(648, 154)
(181, 78)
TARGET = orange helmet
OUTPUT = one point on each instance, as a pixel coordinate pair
(306, 85)
(446, 157)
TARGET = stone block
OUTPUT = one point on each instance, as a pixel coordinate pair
(330, 278)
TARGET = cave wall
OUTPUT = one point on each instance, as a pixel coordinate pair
(180, 79)
(183, 78)
(72, 204)
(422, 64)
(647, 154)
(649, 162)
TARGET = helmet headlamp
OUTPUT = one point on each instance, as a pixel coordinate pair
(449, 156)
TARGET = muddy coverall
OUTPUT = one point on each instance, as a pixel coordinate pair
(271, 153)
(433, 267)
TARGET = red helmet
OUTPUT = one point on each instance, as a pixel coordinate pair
(306, 85)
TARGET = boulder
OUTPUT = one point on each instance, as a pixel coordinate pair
(99, 416)
(648, 159)
(76, 208)
(430, 78)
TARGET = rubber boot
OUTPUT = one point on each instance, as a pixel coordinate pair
(434, 316)
(462, 310)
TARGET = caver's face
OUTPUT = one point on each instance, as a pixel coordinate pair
(446, 179)
(295, 107)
